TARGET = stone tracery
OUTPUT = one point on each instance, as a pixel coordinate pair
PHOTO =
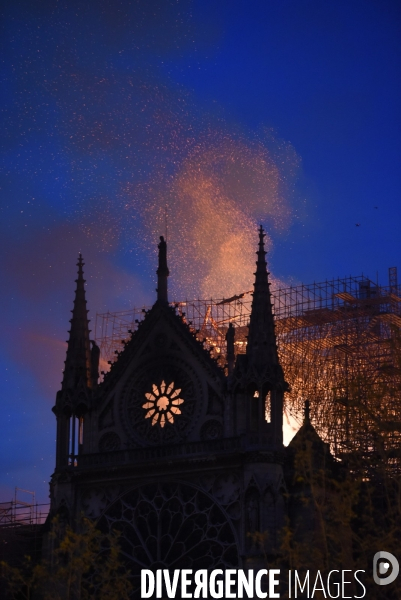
(171, 525)
(163, 403)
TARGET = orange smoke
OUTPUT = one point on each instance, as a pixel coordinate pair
(212, 207)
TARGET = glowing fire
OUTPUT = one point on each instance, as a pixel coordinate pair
(162, 403)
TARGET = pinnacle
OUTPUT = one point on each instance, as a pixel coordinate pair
(261, 346)
(78, 360)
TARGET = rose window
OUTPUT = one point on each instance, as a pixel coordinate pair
(162, 403)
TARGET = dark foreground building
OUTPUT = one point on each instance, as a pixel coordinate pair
(186, 459)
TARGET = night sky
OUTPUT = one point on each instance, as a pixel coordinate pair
(123, 119)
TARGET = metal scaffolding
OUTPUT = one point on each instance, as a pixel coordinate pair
(21, 511)
(339, 345)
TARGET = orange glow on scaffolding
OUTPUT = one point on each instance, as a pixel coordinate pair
(340, 348)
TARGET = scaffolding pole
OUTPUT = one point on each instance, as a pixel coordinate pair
(339, 345)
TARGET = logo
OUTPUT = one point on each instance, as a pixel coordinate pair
(385, 563)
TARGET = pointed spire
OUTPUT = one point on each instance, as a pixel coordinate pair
(162, 272)
(77, 371)
(261, 347)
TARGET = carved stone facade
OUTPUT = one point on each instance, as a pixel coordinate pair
(186, 460)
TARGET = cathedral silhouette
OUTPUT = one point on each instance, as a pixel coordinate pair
(183, 457)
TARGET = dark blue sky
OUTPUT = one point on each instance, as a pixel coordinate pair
(219, 115)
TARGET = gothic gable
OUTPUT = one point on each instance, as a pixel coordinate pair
(165, 387)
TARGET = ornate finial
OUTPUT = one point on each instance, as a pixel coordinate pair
(261, 266)
(307, 411)
(162, 272)
(80, 265)
(230, 337)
